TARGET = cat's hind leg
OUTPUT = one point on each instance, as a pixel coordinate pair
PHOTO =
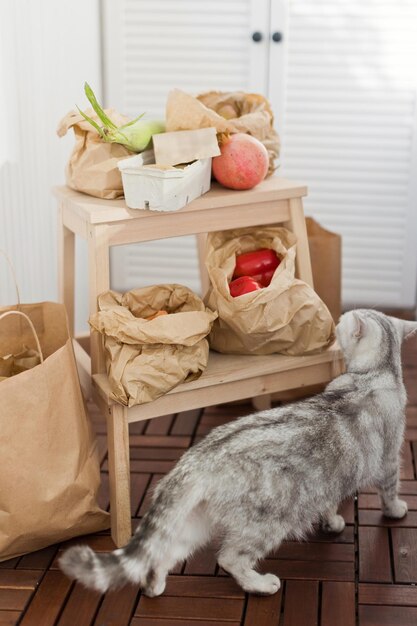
(195, 533)
(391, 505)
(331, 522)
(238, 557)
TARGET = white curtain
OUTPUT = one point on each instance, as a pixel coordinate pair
(47, 50)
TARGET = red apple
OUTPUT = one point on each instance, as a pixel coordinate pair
(243, 162)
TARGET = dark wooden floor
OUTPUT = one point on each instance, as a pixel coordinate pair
(366, 576)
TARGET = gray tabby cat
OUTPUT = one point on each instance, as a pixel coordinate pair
(272, 475)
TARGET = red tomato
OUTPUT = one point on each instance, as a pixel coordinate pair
(242, 285)
(256, 262)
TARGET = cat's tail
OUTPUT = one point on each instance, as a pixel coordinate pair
(154, 544)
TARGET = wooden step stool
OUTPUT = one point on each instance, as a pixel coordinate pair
(104, 223)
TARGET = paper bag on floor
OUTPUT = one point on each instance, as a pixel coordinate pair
(147, 358)
(50, 471)
(92, 167)
(286, 317)
(231, 112)
(326, 263)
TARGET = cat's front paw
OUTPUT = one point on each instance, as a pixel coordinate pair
(396, 509)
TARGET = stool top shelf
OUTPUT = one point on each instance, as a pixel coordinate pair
(99, 211)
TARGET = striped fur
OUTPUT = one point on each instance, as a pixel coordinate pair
(273, 474)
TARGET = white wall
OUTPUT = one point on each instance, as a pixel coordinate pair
(47, 50)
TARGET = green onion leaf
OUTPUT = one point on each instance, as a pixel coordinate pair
(97, 108)
(92, 122)
(132, 121)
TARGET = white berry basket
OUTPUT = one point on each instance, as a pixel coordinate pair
(159, 188)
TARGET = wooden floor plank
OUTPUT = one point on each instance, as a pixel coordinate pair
(263, 611)
(187, 608)
(338, 604)
(305, 612)
(310, 570)
(374, 554)
(149, 621)
(311, 551)
(202, 562)
(375, 518)
(14, 599)
(103, 496)
(138, 428)
(185, 423)
(401, 595)
(159, 425)
(139, 483)
(156, 454)
(40, 559)
(407, 468)
(159, 441)
(387, 615)
(406, 487)
(48, 600)
(404, 546)
(151, 467)
(203, 587)
(80, 607)
(372, 501)
(146, 501)
(19, 579)
(118, 607)
(9, 618)
(347, 511)
(10, 563)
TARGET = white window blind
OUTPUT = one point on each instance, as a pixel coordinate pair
(350, 134)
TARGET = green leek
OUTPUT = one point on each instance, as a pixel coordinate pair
(136, 135)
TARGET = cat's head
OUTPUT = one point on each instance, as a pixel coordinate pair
(370, 339)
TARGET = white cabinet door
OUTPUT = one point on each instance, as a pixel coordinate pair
(152, 46)
(349, 132)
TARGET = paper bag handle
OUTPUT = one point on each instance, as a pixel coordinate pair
(38, 345)
(13, 273)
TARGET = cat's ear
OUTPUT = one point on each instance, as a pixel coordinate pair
(359, 326)
(405, 327)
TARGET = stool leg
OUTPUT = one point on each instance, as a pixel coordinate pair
(119, 474)
(66, 269)
(201, 250)
(297, 224)
(262, 403)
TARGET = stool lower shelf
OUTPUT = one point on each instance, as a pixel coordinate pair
(234, 377)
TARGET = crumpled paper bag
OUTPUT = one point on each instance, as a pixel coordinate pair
(12, 364)
(286, 317)
(247, 113)
(50, 469)
(92, 167)
(326, 264)
(147, 358)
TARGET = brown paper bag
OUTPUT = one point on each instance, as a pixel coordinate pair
(326, 261)
(246, 113)
(146, 358)
(50, 471)
(92, 167)
(286, 317)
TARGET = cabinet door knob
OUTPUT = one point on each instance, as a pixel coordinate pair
(257, 36)
(277, 37)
